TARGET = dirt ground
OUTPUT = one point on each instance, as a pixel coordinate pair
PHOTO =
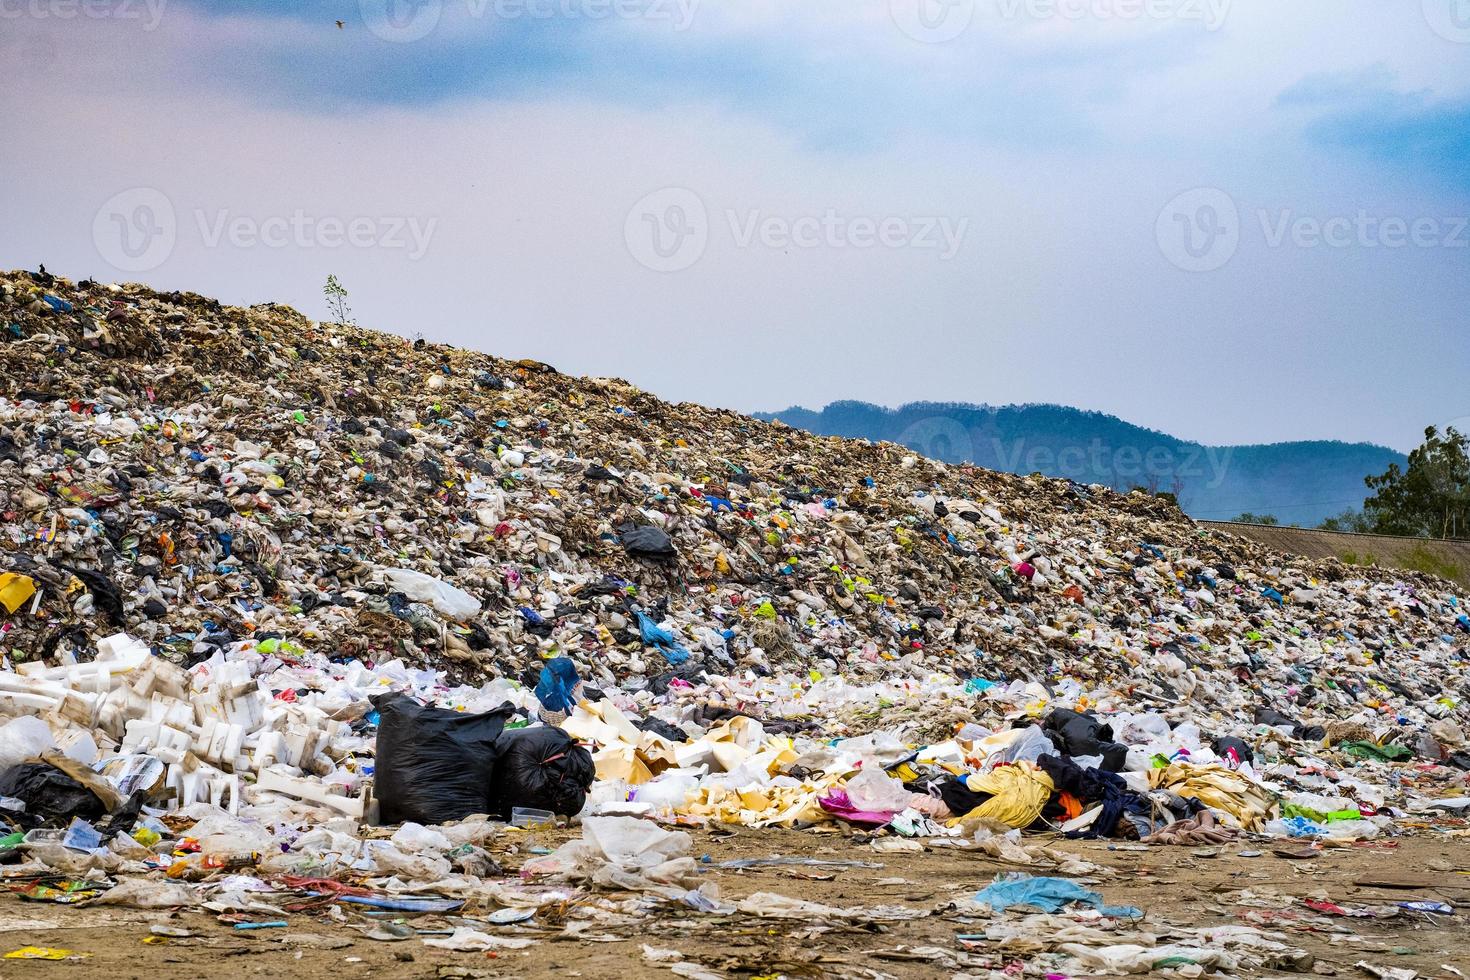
(1176, 886)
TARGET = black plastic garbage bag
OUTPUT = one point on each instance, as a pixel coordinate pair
(660, 727)
(541, 768)
(1225, 743)
(435, 766)
(646, 541)
(1075, 733)
(104, 594)
(51, 797)
(1267, 715)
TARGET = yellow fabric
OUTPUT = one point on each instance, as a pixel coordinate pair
(15, 590)
(1218, 788)
(1020, 793)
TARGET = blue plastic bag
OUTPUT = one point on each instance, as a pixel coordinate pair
(656, 636)
(1048, 895)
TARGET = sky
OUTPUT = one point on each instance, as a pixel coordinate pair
(1237, 221)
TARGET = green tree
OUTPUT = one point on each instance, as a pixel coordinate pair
(1348, 520)
(1430, 496)
(1249, 518)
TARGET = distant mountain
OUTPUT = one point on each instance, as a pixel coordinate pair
(1298, 482)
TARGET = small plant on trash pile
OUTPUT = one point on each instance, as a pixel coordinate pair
(336, 295)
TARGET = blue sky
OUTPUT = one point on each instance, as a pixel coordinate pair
(1233, 220)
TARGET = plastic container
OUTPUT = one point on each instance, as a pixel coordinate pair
(531, 819)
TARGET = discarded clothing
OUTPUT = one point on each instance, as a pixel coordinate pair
(1077, 733)
(1092, 786)
(1017, 794)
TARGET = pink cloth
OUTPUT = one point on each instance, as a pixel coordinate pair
(837, 803)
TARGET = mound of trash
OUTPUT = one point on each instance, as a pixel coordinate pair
(265, 580)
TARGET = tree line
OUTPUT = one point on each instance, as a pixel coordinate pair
(1429, 497)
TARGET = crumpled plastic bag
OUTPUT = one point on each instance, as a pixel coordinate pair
(1126, 958)
(415, 837)
(23, 739)
(874, 789)
(1016, 745)
(1048, 895)
(219, 831)
(447, 600)
(434, 765)
(771, 905)
(389, 860)
(464, 940)
(881, 748)
(623, 853)
(146, 893)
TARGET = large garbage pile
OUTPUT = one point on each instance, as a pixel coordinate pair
(234, 542)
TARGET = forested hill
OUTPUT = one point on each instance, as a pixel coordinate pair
(1298, 482)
